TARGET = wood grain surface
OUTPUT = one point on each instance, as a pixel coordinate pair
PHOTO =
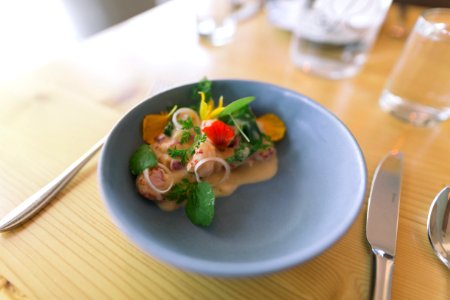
(72, 249)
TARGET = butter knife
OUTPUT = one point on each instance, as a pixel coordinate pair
(382, 221)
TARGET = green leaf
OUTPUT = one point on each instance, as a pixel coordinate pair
(182, 154)
(200, 206)
(235, 106)
(204, 86)
(168, 129)
(245, 120)
(180, 192)
(142, 158)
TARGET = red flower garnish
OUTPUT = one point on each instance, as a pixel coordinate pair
(219, 133)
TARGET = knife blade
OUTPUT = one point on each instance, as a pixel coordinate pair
(382, 220)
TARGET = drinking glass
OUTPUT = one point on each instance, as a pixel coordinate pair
(283, 13)
(215, 21)
(331, 38)
(418, 88)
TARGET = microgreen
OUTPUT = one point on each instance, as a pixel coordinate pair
(182, 154)
(240, 154)
(185, 154)
(240, 129)
(204, 86)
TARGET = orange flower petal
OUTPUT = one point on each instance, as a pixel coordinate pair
(272, 126)
(153, 126)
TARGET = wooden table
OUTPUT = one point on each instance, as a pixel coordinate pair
(73, 250)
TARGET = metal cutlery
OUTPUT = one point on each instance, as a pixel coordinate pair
(382, 221)
(438, 225)
(41, 198)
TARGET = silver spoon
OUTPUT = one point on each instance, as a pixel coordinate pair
(438, 225)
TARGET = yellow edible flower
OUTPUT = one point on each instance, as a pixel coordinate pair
(208, 111)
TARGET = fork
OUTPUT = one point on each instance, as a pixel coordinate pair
(32, 205)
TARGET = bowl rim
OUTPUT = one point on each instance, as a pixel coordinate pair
(239, 269)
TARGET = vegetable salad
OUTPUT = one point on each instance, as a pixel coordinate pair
(189, 151)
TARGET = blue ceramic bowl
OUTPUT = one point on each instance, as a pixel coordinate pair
(265, 227)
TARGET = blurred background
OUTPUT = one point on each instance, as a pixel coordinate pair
(35, 32)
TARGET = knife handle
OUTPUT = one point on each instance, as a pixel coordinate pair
(384, 267)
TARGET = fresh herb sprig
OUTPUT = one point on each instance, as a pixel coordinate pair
(186, 126)
(199, 137)
(204, 86)
(199, 198)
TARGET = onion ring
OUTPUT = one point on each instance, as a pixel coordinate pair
(150, 183)
(216, 159)
(190, 112)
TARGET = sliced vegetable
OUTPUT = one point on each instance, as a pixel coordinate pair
(200, 206)
(219, 133)
(142, 158)
(219, 160)
(150, 183)
(190, 114)
(272, 126)
(235, 106)
(154, 125)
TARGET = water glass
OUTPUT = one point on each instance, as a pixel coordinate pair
(418, 88)
(331, 38)
(215, 21)
(283, 13)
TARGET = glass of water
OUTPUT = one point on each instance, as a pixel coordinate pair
(215, 21)
(331, 38)
(418, 88)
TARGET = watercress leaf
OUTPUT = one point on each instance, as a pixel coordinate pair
(142, 158)
(200, 206)
(204, 86)
(235, 106)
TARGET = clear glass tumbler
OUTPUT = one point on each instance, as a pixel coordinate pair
(418, 88)
(215, 21)
(331, 38)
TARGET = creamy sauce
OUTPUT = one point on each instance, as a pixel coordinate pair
(247, 174)
(262, 166)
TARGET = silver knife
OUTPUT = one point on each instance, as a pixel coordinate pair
(382, 220)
